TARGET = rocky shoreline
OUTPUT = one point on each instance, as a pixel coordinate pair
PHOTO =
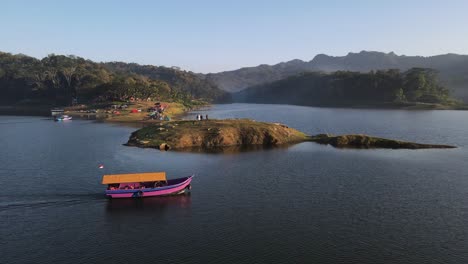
(368, 142)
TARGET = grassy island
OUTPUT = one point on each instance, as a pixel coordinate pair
(214, 133)
(211, 134)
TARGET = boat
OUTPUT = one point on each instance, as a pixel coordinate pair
(63, 118)
(138, 185)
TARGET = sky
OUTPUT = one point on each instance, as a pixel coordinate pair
(213, 36)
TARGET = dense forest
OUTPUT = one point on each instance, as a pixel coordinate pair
(59, 79)
(188, 82)
(344, 88)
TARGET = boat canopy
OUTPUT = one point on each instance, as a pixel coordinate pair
(134, 177)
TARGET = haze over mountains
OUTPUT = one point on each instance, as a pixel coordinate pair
(452, 69)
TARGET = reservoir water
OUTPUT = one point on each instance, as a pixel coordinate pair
(307, 203)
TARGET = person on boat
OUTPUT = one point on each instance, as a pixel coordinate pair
(206, 117)
(158, 184)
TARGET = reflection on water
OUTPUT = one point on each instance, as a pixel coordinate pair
(233, 150)
(153, 204)
(89, 116)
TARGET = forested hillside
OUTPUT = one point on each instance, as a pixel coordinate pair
(452, 69)
(58, 79)
(182, 81)
(344, 88)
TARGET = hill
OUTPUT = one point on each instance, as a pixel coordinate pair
(385, 88)
(184, 81)
(452, 68)
(60, 80)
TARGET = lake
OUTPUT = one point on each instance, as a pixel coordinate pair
(307, 203)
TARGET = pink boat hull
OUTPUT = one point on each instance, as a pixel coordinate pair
(149, 192)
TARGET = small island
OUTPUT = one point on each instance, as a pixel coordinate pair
(368, 142)
(211, 134)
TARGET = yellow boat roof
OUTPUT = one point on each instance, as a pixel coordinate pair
(134, 177)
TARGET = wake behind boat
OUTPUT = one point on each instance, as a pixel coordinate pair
(148, 184)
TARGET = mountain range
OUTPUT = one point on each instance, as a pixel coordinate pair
(60, 78)
(452, 69)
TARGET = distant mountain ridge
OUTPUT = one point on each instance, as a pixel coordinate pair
(452, 68)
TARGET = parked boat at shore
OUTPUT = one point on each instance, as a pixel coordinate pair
(137, 185)
(63, 118)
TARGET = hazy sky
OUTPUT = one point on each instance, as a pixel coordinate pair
(212, 36)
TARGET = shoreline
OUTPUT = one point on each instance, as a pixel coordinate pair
(216, 134)
(177, 110)
(389, 106)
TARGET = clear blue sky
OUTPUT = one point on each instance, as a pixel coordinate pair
(212, 36)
